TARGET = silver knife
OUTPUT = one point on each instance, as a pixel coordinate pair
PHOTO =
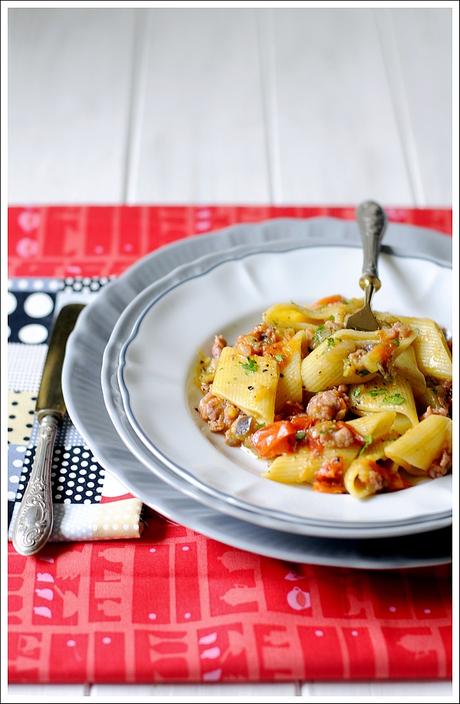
(34, 519)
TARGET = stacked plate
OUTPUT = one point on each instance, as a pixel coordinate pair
(128, 391)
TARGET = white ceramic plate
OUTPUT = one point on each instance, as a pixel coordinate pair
(85, 404)
(161, 349)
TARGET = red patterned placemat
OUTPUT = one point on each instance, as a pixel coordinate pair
(174, 605)
(100, 241)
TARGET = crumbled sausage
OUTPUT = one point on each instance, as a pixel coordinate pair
(398, 330)
(354, 359)
(441, 467)
(329, 477)
(375, 481)
(218, 413)
(441, 398)
(329, 405)
(331, 434)
(437, 411)
(217, 346)
(257, 340)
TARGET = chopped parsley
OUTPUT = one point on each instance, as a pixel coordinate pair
(356, 393)
(300, 435)
(330, 342)
(396, 342)
(368, 440)
(377, 392)
(332, 317)
(279, 357)
(250, 366)
(395, 398)
(318, 335)
(362, 372)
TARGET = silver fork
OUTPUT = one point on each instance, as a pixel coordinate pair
(372, 223)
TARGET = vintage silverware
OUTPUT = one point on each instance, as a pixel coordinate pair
(372, 223)
(34, 520)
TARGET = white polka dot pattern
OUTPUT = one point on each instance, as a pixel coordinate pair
(67, 486)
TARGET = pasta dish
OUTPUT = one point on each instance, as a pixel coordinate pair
(343, 410)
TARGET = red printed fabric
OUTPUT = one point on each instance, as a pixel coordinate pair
(101, 241)
(174, 605)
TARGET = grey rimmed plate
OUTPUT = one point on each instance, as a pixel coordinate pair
(86, 407)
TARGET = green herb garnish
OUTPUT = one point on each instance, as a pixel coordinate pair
(279, 357)
(250, 365)
(396, 342)
(395, 398)
(377, 392)
(330, 342)
(318, 335)
(356, 393)
(362, 372)
(368, 440)
(300, 435)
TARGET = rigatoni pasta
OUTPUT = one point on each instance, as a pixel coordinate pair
(343, 411)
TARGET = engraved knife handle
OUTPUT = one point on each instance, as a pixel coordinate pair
(372, 224)
(34, 520)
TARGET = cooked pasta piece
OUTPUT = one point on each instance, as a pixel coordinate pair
(430, 346)
(301, 467)
(362, 478)
(289, 315)
(406, 366)
(324, 366)
(247, 382)
(334, 308)
(433, 354)
(420, 446)
(290, 380)
(394, 394)
(401, 424)
(387, 351)
(375, 425)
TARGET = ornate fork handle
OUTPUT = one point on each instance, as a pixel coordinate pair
(372, 224)
(34, 520)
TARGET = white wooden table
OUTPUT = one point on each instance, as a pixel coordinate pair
(279, 106)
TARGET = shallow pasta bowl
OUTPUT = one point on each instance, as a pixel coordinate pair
(149, 361)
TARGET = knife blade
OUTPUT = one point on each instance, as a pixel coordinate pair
(34, 520)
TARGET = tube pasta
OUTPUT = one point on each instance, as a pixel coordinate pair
(288, 315)
(423, 444)
(324, 366)
(361, 479)
(394, 394)
(401, 424)
(249, 383)
(430, 346)
(290, 381)
(431, 350)
(376, 424)
(406, 366)
(301, 467)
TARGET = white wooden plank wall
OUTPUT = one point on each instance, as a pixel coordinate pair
(214, 105)
(230, 106)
